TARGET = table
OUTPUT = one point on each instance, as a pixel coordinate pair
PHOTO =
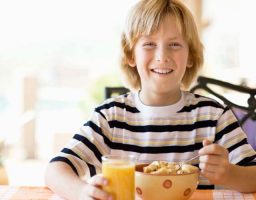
(43, 193)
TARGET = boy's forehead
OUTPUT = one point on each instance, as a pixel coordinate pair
(167, 22)
(169, 25)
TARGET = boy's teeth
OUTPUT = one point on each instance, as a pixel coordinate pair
(162, 71)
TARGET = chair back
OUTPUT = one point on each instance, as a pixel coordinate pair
(115, 91)
(246, 113)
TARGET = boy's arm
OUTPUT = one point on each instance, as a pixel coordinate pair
(215, 166)
(80, 160)
(63, 180)
(242, 178)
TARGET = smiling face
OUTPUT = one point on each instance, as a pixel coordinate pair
(161, 60)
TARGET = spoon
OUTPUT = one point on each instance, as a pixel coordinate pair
(193, 158)
(187, 161)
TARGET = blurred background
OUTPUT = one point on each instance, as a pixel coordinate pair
(56, 57)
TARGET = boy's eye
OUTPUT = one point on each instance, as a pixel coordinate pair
(175, 45)
(148, 44)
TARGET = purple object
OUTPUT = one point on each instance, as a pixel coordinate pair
(249, 126)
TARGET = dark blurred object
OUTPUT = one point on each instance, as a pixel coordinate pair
(115, 91)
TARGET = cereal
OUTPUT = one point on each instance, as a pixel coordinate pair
(167, 168)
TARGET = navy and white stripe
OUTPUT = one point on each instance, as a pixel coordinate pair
(124, 125)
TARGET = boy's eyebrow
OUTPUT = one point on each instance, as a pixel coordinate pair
(152, 37)
(174, 38)
(146, 37)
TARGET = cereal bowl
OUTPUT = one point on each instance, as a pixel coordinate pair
(164, 187)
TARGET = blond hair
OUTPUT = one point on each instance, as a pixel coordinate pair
(145, 18)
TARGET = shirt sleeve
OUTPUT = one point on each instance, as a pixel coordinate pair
(230, 135)
(83, 152)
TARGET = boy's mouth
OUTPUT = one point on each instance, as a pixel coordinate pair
(162, 71)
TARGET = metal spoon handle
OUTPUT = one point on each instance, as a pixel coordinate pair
(187, 161)
(195, 157)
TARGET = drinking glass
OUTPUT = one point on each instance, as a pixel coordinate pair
(120, 172)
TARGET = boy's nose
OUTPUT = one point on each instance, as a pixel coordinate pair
(163, 57)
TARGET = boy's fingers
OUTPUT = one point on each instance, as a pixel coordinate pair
(206, 142)
(92, 192)
(94, 188)
(204, 150)
(98, 193)
(208, 167)
(98, 181)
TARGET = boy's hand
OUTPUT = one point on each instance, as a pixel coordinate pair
(93, 189)
(214, 163)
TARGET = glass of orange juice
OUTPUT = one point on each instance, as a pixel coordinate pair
(120, 171)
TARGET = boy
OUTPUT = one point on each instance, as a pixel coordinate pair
(161, 56)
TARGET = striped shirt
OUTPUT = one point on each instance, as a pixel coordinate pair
(124, 125)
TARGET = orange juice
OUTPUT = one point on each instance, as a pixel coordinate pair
(120, 174)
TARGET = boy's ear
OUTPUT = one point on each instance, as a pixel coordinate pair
(132, 63)
(190, 63)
